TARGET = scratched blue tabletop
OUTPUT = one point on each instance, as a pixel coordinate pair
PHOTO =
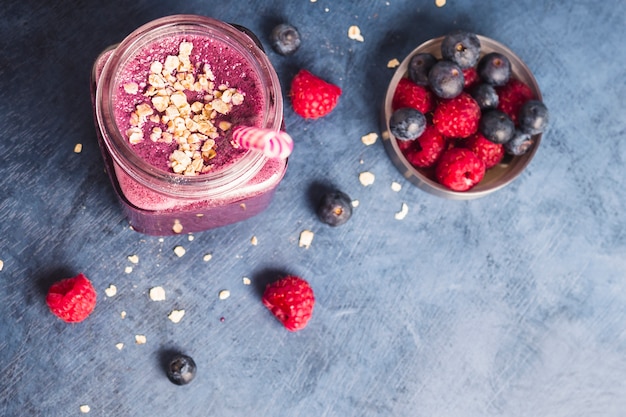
(509, 305)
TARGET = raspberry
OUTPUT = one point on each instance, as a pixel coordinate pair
(426, 149)
(409, 94)
(312, 97)
(489, 152)
(471, 78)
(512, 96)
(72, 299)
(291, 300)
(457, 117)
(459, 169)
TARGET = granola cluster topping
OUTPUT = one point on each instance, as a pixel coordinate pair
(192, 124)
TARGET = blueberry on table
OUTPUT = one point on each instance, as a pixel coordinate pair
(407, 123)
(486, 96)
(519, 144)
(446, 79)
(419, 67)
(335, 208)
(181, 369)
(462, 48)
(285, 39)
(496, 126)
(495, 69)
(533, 117)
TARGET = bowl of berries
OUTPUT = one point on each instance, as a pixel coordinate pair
(463, 116)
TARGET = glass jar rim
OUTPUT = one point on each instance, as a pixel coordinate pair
(184, 186)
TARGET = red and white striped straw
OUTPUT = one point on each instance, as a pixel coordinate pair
(273, 143)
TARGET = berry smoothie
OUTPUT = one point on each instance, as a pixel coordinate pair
(165, 113)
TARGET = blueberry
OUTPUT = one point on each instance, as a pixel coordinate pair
(496, 126)
(407, 123)
(285, 39)
(419, 67)
(519, 144)
(495, 69)
(446, 79)
(181, 369)
(533, 117)
(486, 96)
(335, 208)
(462, 48)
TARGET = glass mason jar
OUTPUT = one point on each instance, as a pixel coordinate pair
(231, 184)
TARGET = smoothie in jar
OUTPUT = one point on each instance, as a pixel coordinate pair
(167, 100)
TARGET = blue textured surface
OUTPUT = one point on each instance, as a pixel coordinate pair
(510, 305)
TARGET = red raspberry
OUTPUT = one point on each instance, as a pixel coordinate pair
(312, 97)
(457, 117)
(72, 299)
(512, 97)
(470, 75)
(291, 300)
(459, 169)
(426, 149)
(489, 152)
(409, 94)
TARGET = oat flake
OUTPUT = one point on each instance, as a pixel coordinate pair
(207, 257)
(85, 409)
(366, 178)
(140, 339)
(78, 148)
(354, 33)
(134, 259)
(254, 241)
(403, 212)
(306, 237)
(246, 281)
(224, 294)
(176, 316)
(440, 3)
(128, 269)
(179, 251)
(157, 294)
(369, 139)
(396, 186)
(1, 265)
(111, 290)
(119, 346)
(393, 63)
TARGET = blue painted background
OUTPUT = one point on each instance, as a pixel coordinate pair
(510, 305)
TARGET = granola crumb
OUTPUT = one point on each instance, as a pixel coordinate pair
(366, 178)
(396, 186)
(306, 237)
(246, 281)
(176, 316)
(254, 241)
(369, 139)
(157, 294)
(224, 294)
(179, 251)
(111, 291)
(119, 346)
(78, 148)
(354, 33)
(207, 257)
(440, 3)
(134, 259)
(393, 63)
(140, 339)
(85, 409)
(402, 213)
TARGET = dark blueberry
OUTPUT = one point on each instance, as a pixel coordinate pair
(462, 48)
(407, 123)
(519, 144)
(335, 208)
(486, 96)
(419, 67)
(494, 68)
(496, 126)
(446, 79)
(533, 117)
(181, 369)
(285, 39)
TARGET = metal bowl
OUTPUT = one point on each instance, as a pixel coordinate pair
(495, 178)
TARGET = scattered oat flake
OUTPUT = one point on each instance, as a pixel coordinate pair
(396, 186)
(354, 33)
(190, 238)
(403, 212)
(140, 339)
(123, 314)
(157, 294)
(207, 257)
(440, 3)
(179, 251)
(177, 227)
(355, 203)
(369, 139)
(128, 269)
(246, 281)
(111, 290)
(306, 237)
(254, 241)
(119, 346)
(134, 259)
(224, 294)
(85, 409)
(176, 316)
(1, 265)
(78, 148)
(366, 178)
(393, 63)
